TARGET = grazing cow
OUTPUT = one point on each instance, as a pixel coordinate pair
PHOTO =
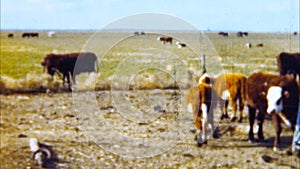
(136, 33)
(248, 45)
(199, 100)
(70, 64)
(295, 33)
(224, 34)
(274, 95)
(10, 35)
(289, 63)
(259, 45)
(30, 34)
(180, 44)
(165, 39)
(230, 87)
(239, 34)
(51, 34)
(143, 33)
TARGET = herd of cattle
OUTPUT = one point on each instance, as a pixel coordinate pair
(265, 94)
(31, 34)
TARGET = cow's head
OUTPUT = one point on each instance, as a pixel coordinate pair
(50, 69)
(274, 99)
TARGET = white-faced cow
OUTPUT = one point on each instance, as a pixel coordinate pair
(200, 102)
(273, 95)
(229, 87)
(165, 39)
(70, 64)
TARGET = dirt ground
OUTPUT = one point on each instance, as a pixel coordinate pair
(92, 130)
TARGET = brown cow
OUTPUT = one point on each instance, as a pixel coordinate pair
(229, 87)
(273, 95)
(165, 39)
(70, 64)
(200, 102)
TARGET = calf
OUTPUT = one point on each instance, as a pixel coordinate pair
(199, 101)
(273, 95)
(229, 87)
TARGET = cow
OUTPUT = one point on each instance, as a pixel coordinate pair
(289, 63)
(180, 44)
(224, 34)
(248, 45)
(70, 64)
(273, 95)
(259, 45)
(230, 87)
(10, 35)
(30, 34)
(200, 102)
(51, 34)
(136, 33)
(165, 39)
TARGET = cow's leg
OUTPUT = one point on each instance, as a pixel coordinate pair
(224, 107)
(63, 78)
(251, 118)
(241, 109)
(260, 120)
(278, 129)
(199, 131)
(234, 107)
(69, 82)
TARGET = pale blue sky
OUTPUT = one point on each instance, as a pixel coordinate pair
(227, 15)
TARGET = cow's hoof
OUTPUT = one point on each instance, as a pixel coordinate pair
(276, 149)
(216, 135)
(251, 139)
(233, 119)
(240, 120)
(199, 144)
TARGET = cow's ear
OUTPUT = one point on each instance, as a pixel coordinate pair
(286, 94)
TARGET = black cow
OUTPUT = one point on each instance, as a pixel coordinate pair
(273, 95)
(70, 64)
(289, 63)
(10, 35)
(30, 34)
(224, 34)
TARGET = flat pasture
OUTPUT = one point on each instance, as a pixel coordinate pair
(131, 113)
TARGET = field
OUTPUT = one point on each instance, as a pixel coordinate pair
(132, 112)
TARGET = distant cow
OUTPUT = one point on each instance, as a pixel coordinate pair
(224, 34)
(200, 102)
(274, 95)
(165, 39)
(136, 33)
(10, 35)
(259, 45)
(30, 34)
(229, 87)
(180, 44)
(289, 63)
(241, 34)
(70, 64)
(51, 34)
